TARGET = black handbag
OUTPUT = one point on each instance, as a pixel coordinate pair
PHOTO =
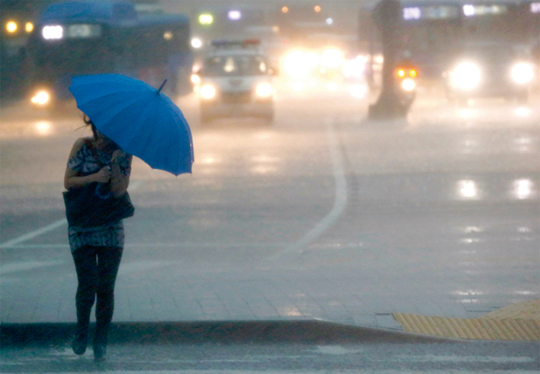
(87, 207)
(94, 205)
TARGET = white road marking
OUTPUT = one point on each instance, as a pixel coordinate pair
(337, 350)
(139, 266)
(26, 265)
(34, 233)
(158, 245)
(468, 359)
(53, 226)
(340, 200)
(324, 371)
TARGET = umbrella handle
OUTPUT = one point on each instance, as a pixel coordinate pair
(163, 84)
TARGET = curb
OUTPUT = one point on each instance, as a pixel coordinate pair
(299, 331)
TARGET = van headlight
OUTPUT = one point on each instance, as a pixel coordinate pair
(466, 76)
(264, 90)
(522, 73)
(207, 92)
(41, 98)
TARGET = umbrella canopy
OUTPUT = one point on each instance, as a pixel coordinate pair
(139, 118)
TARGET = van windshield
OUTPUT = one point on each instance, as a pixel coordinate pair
(223, 66)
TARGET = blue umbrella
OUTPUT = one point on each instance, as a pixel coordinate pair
(143, 121)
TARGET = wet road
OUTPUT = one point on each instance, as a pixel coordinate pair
(209, 358)
(321, 215)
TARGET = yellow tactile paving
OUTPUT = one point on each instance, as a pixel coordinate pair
(525, 310)
(515, 322)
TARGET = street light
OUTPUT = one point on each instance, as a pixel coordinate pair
(234, 15)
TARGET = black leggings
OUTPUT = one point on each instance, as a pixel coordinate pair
(96, 268)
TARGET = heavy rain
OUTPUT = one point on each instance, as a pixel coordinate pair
(319, 186)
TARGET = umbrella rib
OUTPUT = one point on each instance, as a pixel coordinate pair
(128, 143)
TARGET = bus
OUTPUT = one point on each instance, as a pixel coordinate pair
(94, 37)
(17, 22)
(433, 31)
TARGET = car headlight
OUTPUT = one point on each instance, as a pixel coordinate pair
(41, 98)
(208, 91)
(466, 76)
(522, 73)
(408, 84)
(331, 58)
(299, 64)
(195, 79)
(264, 90)
(359, 91)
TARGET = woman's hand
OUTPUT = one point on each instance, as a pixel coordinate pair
(104, 175)
(121, 166)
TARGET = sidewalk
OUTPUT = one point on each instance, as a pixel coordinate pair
(159, 292)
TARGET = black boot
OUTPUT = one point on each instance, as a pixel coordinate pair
(100, 351)
(100, 343)
(80, 340)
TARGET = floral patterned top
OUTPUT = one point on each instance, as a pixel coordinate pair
(85, 162)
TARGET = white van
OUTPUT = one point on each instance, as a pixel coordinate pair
(235, 80)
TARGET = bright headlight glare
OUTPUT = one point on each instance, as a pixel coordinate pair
(264, 90)
(207, 91)
(522, 73)
(195, 79)
(408, 84)
(196, 43)
(41, 98)
(52, 32)
(359, 91)
(298, 64)
(466, 76)
(331, 58)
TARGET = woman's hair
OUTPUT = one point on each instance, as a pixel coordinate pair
(89, 122)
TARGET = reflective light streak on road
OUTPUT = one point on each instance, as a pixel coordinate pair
(523, 144)
(44, 128)
(209, 160)
(467, 113)
(468, 189)
(523, 189)
(522, 112)
(520, 189)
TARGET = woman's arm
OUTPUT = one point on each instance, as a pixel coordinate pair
(120, 172)
(72, 179)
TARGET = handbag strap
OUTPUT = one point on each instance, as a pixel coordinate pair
(101, 186)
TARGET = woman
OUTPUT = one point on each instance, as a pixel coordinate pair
(96, 251)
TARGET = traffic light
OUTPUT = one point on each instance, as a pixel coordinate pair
(206, 19)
